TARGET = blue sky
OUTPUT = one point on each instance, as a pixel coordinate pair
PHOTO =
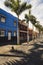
(37, 9)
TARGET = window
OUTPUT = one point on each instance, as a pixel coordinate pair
(14, 33)
(14, 23)
(2, 33)
(2, 18)
(21, 34)
(21, 27)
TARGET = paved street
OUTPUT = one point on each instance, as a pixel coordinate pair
(27, 54)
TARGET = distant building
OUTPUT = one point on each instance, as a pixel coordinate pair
(22, 32)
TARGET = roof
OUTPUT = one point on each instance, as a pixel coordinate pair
(7, 14)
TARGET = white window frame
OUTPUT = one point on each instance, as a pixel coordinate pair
(2, 33)
(2, 18)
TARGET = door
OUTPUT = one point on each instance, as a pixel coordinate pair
(9, 35)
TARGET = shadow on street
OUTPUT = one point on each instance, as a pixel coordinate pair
(34, 58)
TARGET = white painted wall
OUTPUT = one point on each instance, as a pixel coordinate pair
(30, 25)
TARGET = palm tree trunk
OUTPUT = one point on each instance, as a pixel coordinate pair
(33, 34)
(39, 33)
(27, 33)
(18, 32)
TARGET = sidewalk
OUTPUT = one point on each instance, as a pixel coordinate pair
(20, 51)
(23, 47)
(6, 48)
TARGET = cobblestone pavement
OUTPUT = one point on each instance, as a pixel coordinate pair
(27, 54)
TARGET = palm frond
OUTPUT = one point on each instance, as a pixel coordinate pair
(27, 18)
(39, 27)
(16, 6)
(24, 7)
(7, 3)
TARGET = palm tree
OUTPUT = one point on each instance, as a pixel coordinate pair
(31, 18)
(27, 21)
(18, 8)
(39, 28)
(33, 21)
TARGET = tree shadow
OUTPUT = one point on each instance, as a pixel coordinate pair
(18, 53)
(34, 58)
(36, 46)
(14, 53)
(21, 62)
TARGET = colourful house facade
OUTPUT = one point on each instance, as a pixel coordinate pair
(8, 27)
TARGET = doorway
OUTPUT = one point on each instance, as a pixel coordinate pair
(9, 35)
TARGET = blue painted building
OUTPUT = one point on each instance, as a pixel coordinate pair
(8, 27)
